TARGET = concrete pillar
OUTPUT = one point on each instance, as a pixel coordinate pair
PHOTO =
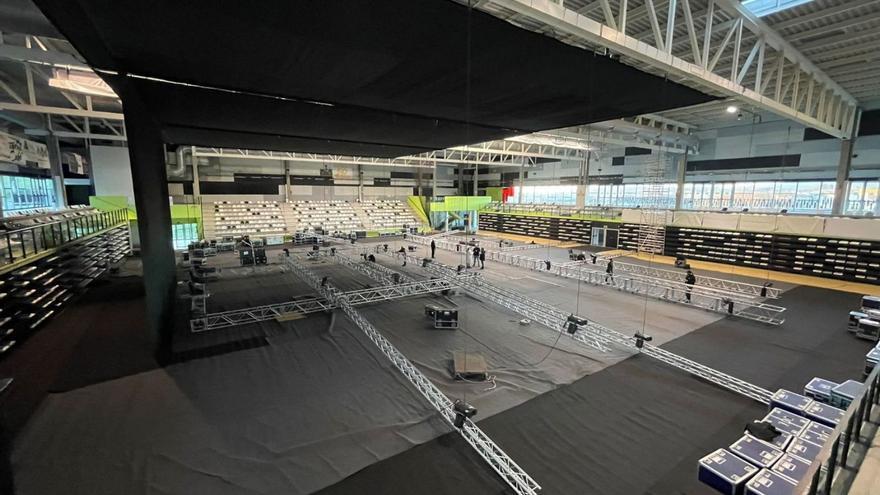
(360, 172)
(57, 170)
(461, 180)
(679, 179)
(150, 182)
(197, 188)
(522, 176)
(476, 178)
(434, 182)
(419, 181)
(287, 180)
(843, 167)
(583, 177)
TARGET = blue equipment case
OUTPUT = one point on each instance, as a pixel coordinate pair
(819, 389)
(725, 472)
(843, 394)
(790, 401)
(871, 360)
(786, 421)
(792, 467)
(756, 452)
(804, 449)
(770, 483)
(816, 433)
(824, 413)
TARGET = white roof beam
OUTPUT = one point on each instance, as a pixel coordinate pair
(569, 24)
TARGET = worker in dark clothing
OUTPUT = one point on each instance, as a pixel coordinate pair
(690, 280)
(609, 271)
(482, 258)
(476, 255)
(402, 253)
(433, 248)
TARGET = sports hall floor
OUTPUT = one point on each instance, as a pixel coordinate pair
(309, 405)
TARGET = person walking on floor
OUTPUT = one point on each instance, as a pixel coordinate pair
(690, 280)
(433, 248)
(482, 258)
(476, 255)
(609, 271)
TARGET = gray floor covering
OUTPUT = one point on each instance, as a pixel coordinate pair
(640, 426)
(311, 408)
(291, 417)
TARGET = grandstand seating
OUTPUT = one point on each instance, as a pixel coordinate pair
(329, 216)
(388, 214)
(237, 218)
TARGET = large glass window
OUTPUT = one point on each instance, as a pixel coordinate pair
(812, 196)
(183, 234)
(26, 193)
(862, 197)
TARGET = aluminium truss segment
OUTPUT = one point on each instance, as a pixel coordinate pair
(498, 460)
(226, 319)
(592, 334)
(730, 286)
(604, 336)
(708, 298)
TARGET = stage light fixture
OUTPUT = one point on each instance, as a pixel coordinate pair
(463, 411)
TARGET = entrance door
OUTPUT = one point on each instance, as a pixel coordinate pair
(604, 237)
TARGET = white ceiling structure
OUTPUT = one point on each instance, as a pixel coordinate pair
(815, 63)
(722, 48)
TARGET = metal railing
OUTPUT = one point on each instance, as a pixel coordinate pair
(835, 453)
(22, 244)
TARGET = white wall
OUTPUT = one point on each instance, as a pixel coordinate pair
(111, 169)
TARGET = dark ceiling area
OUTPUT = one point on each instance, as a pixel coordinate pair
(373, 78)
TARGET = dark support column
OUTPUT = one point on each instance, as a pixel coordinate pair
(57, 170)
(843, 168)
(154, 219)
(680, 178)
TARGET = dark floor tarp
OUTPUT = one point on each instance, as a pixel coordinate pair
(640, 426)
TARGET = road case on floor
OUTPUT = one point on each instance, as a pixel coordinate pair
(792, 467)
(785, 421)
(843, 394)
(725, 472)
(444, 318)
(819, 389)
(767, 482)
(868, 329)
(870, 302)
(825, 414)
(804, 449)
(871, 360)
(817, 433)
(853, 322)
(756, 452)
(790, 401)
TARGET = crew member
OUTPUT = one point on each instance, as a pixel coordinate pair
(402, 252)
(609, 271)
(690, 280)
(482, 258)
(433, 248)
(476, 255)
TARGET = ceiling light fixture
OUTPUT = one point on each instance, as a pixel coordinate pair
(732, 109)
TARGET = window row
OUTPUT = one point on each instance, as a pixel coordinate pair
(793, 196)
(26, 193)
